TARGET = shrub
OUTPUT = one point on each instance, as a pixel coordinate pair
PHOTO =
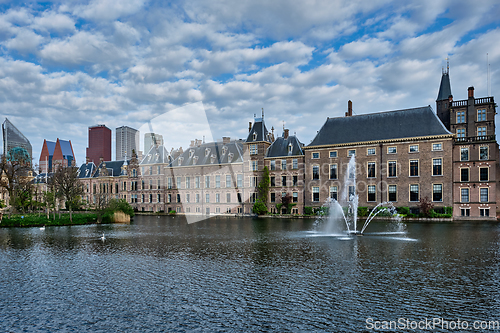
(259, 208)
(362, 211)
(307, 210)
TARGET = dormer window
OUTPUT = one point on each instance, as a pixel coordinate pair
(212, 158)
(207, 151)
(254, 136)
(134, 173)
(191, 153)
(195, 159)
(290, 148)
(230, 157)
(181, 159)
(224, 150)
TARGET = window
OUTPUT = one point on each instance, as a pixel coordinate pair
(334, 192)
(188, 182)
(371, 170)
(437, 146)
(283, 164)
(481, 115)
(228, 181)
(437, 192)
(315, 174)
(483, 153)
(273, 165)
(413, 168)
(197, 182)
(179, 182)
(197, 197)
(254, 165)
(273, 181)
(150, 170)
(239, 180)
(295, 164)
(483, 174)
(207, 181)
(464, 211)
(333, 171)
(188, 197)
(207, 198)
(352, 192)
(159, 184)
(295, 197)
(253, 150)
(391, 166)
(150, 184)
(150, 197)
(315, 155)
(414, 149)
(253, 181)
(464, 174)
(414, 192)
(315, 192)
(295, 180)
(159, 169)
(481, 131)
(290, 148)
(217, 181)
(460, 132)
(392, 195)
(371, 193)
(178, 198)
(483, 194)
(351, 152)
(333, 154)
(273, 197)
(460, 117)
(217, 197)
(370, 151)
(391, 150)
(464, 195)
(484, 211)
(169, 198)
(464, 154)
(169, 183)
(283, 180)
(437, 166)
(228, 197)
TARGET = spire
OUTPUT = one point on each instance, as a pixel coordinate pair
(445, 87)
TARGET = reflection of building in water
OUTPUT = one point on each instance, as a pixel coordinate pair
(15, 144)
(151, 139)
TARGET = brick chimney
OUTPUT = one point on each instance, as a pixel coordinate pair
(87, 160)
(285, 134)
(471, 92)
(349, 109)
(249, 126)
(226, 139)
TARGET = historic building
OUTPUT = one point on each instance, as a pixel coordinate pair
(401, 157)
(475, 152)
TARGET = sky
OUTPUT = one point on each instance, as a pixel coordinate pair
(67, 65)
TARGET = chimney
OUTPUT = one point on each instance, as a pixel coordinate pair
(450, 98)
(226, 139)
(87, 160)
(101, 159)
(285, 135)
(471, 92)
(249, 126)
(349, 109)
(191, 144)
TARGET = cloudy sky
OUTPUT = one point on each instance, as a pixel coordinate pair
(68, 65)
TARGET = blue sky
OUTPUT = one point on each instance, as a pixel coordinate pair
(68, 65)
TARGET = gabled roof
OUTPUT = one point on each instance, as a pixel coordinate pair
(114, 168)
(211, 153)
(86, 170)
(410, 123)
(280, 147)
(51, 145)
(258, 132)
(444, 88)
(155, 155)
(66, 148)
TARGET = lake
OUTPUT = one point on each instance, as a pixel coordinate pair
(244, 274)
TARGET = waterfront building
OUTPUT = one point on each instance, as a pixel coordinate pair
(54, 154)
(126, 142)
(99, 144)
(15, 144)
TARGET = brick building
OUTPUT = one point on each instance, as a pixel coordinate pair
(99, 144)
(56, 153)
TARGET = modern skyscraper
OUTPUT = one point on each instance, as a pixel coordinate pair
(15, 144)
(125, 142)
(99, 144)
(150, 139)
(56, 153)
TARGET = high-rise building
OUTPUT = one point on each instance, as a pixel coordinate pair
(15, 144)
(99, 144)
(151, 139)
(56, 153)
(125, 142)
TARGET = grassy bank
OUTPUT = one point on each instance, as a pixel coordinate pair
(33, 220)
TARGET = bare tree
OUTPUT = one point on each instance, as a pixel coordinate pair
(68, 187)
(16, 179)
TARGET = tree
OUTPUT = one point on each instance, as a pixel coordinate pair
(15, 178)
(425, 206)
(68, 187)
(260, 206)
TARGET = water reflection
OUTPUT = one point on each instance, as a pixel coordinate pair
(243, 274)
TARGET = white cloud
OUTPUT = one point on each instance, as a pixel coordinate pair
(52, 21)
(108, 10)
(24, 41)
(374, 48)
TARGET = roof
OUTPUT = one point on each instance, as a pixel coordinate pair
(114, 168)
(155, 155)
(444, 88)
(65, 148)
(86, 170)
(211, 153)
(51, 145)
(280, 147)
(410, 123)
(258, 132)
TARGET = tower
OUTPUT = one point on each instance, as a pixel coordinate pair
(126, 141)
(444, 98)
(99, 144)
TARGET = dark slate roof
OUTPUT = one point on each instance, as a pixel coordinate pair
(389, 125)
(114, 168)
(280, 147)
(40, 178)
(260, 131)
(444, 88)
(211, 153)
(157, 154)
(86, 170)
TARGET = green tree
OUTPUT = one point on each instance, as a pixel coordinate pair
(15, 178)
(68, 187)
(260, 206)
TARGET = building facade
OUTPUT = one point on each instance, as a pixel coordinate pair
(126, 142)
(99, 144)
(54, 154)
(15, 144)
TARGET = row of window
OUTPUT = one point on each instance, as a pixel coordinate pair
(196, 198)
(482, 211)
(483, 174)
(372, 151)
(481, 131)
(464, 153)
(483, 194)
(284, 181)
(481, 116)
(217, 181)
(283, 164)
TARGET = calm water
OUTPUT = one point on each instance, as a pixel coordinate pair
(160, 274)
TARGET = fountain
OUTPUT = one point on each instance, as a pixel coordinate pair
(345, 212)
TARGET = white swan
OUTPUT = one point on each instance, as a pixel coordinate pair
(103, 238)
(42, 228)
